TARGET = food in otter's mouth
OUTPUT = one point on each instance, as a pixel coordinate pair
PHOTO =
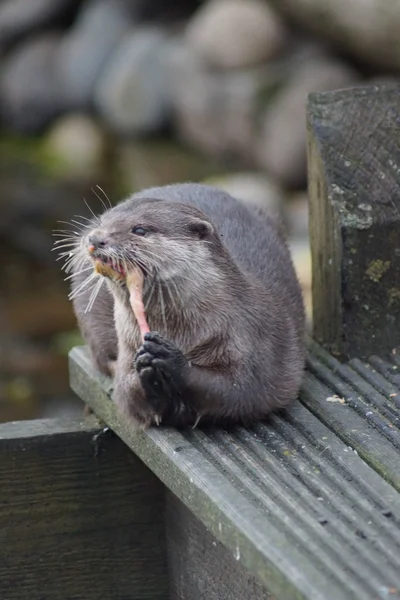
(108, 268)
(134, 282)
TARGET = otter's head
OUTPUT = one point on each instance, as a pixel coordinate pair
(157, 236)
(168, 241)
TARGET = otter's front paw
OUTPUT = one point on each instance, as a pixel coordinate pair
(162, 370)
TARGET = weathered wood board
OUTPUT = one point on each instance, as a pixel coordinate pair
(200, 567)
(354, 191)
(360, 402)
(300, 509)
(80, 517)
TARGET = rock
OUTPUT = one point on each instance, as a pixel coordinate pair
(133, 94)
(87, 46)
(254, 188)
(216, 112)
(367, 28)
(29, 93)
(161, 11)
(78, 142)
(219, 112)
(236, 33)
(19, 18)
(281, 148)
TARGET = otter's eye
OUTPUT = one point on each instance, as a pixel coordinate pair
(139, 230)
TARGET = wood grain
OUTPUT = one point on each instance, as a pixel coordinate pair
(80, 516)
(290, 502)
(360, 402)
(200, 567)
(354, 189)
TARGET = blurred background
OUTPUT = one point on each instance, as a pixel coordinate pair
(125, 94)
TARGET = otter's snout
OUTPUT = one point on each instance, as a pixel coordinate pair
(97, 239)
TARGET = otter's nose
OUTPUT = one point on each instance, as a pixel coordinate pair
(97, 239)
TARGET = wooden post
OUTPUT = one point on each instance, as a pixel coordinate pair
(354, 191)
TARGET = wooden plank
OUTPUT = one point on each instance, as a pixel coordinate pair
(80, 516)
(360, 403)
(354, 190)
(287, 498)
(200, 567)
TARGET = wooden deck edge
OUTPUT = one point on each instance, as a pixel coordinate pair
(48, 427)
(167, 453)
(190, 472)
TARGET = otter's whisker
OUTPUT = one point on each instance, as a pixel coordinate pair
(77, 233)
(74, 274)
(63, 255)
(68, 262)
(70, 254)
(150, 254)
(85, 291)
(105, 195)
(82, 285)
(94, 294)
(114, 257)
(74, 258)
(90, 221)
(83, 225)
(64, 222)
(140, 263)
(122, 261)
(67, 255)
(162, 306)
(65, 232)
(80, 289)
(172, 283)
(72, 241)
(96, 218)
(151, 291)
(124, 264)
(147, 265)
(73, 230)
(101, 200)
(74, 261)
(68, 245)
(184, 277)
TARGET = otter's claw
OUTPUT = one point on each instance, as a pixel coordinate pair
(162, 370)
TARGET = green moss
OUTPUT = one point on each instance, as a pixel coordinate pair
(19, 392)
(377, 268)
(63, 342)
(394, 296)
(32, 152)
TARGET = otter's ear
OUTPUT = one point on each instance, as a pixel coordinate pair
(201, 228)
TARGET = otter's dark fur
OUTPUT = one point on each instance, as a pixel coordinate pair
(222, 295)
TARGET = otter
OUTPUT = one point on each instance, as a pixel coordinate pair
(223, 303)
